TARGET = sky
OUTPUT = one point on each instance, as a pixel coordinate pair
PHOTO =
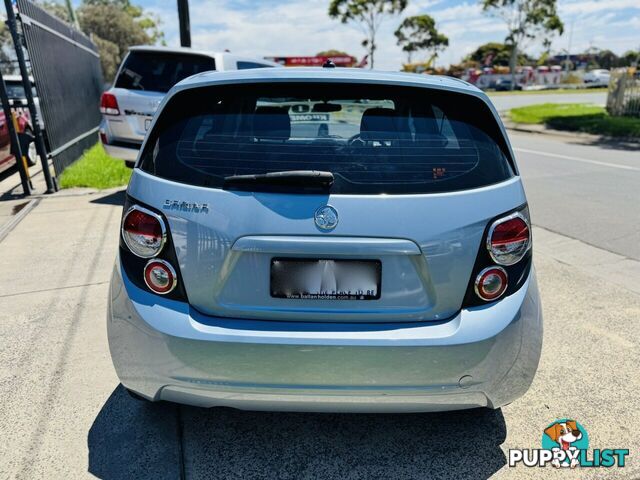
(295, 27)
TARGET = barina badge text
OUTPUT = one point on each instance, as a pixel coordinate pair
(192, 207)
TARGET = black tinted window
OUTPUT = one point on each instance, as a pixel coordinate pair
(159, 71)
(373, 139)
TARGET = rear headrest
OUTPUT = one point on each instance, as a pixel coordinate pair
(272, 123)
(379, 124)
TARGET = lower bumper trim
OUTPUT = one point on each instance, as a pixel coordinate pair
(358, 402)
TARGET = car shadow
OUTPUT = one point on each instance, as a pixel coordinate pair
(115, 198)
(132, 439)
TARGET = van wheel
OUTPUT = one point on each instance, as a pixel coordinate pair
(130, 163)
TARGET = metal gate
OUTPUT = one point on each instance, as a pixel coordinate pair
(68, 79)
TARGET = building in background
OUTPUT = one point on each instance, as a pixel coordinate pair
(318, 61)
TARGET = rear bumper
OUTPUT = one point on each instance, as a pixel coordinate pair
(124, 150)
(165, 350)
(124, 153)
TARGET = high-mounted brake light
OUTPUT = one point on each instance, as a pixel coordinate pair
(143, 232)
(508, 239)
(109, 104)
(491, 283)
(160, 276)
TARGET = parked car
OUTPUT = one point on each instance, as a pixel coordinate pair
(504, 85)
(598, 77)
(25, 136)
(381, 262)
(145, 76)
(18, 100)
(7, 160)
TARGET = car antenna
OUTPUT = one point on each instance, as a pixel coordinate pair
(328, 64)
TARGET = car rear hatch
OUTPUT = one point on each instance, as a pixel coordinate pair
(392, 238)
(142, 82)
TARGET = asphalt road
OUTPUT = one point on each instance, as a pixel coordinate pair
(507, 101)
(585, 191)
(63, 414)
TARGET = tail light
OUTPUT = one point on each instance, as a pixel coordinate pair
(143, 232)
(104, 139)
(491, 283)
(503, 261)
(147, 252)
(509, 238)
(160, 276)
(109, 104)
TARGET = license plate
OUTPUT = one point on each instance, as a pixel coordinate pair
(324, 279)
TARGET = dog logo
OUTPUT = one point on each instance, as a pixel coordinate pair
(567, 436)
(565, 443)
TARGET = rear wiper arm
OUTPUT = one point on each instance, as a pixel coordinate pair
(313, 179)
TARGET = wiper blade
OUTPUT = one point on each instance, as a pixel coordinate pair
(294, 179)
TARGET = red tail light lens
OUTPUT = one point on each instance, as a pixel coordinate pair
(160, 276)
(109, 104)
(143, 232)
(491, 283)
(509, 239)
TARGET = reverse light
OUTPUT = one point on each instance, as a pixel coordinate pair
(109, 104)
(491, 283)
(509, 239)
(143, 232)
(160, 276)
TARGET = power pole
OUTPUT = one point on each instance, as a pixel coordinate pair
(183, 18)
(72, 14)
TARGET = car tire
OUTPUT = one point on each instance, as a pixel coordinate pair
(130, 163)
(32, 154)
(28, 146)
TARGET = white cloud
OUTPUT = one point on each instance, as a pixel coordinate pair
(290, 27)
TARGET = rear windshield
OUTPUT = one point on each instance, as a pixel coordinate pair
(374, 139)
(159, 71)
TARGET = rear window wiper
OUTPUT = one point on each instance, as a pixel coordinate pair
(288, 180)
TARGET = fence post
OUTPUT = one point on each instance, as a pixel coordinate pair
(40, 146)
(16, 150)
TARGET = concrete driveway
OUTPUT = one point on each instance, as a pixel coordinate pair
(63, 414)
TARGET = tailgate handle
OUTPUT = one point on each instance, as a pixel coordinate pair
(326, 245)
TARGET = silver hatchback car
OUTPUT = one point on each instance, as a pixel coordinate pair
(325, 240)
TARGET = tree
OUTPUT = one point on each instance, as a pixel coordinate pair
(630, 59)
(496, 54)
(525, 19)
(7, 54)
(607, 59)
(115, 25)
(332, 53)
(420, 33)
(368, 15)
